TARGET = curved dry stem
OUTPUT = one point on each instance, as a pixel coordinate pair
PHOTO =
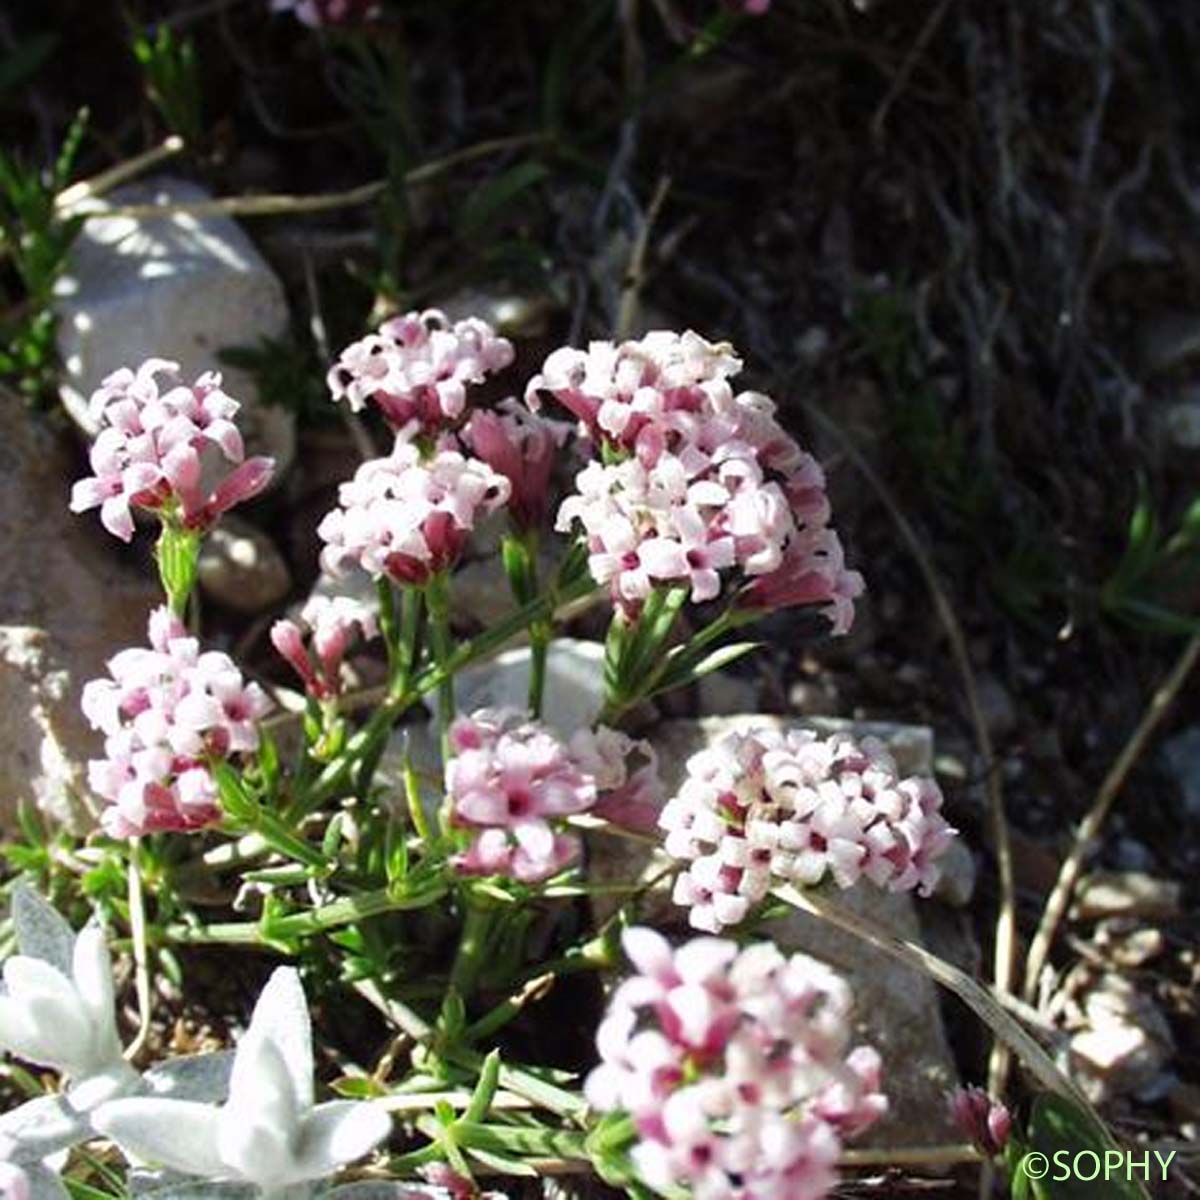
(1089, 828)
(287, 205)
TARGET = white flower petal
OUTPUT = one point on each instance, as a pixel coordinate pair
(178, 1134)
(337, 1133)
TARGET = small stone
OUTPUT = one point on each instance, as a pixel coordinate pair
(240, 567)
(1182, 754)
(1128, 944)
(181, 288)
(1126, 894)
(1126, 1044)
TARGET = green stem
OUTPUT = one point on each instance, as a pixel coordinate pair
(346, 911)
(410, 625)
(472, 947)
(416, 810)
(438, 600)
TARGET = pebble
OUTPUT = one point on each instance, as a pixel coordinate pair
(240, 567)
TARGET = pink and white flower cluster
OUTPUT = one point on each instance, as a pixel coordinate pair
(334, 622)
(735, 1067)
(417, 368)
(151, 448)
(514, 783)
(167, 711)
(697, 481)
(765, 808)
(408, 517)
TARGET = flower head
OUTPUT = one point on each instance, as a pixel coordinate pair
(418, 367)
(268, 1132)
(735, 1067)
(764, 808)
(167, 711)
(514, 784)
(699, 485)
(155, 447)
(406, 517)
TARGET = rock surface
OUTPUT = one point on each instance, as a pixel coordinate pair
(179, 287)
(240, 567)
(59, 623)
(897, 1009)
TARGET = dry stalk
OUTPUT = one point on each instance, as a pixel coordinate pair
(1089, 828)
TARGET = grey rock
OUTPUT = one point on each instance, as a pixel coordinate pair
(181, 288)
(68, 605)
(574, 684)
(723, 693)
(956, 886)
(1182, 754)
(240, 567)
(897, 1008)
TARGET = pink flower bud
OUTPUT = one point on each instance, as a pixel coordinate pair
(984, 1121)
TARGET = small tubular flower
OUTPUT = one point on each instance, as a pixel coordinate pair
(153, 448)
(764, 808)
(167, 711)
(408, 518)
(418, 367)
(268, 1132)
(735, 1068)
(521, 447)
(334, 622)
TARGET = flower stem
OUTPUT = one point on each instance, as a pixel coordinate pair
(416, 810)
(438, 600)
(472, 945)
